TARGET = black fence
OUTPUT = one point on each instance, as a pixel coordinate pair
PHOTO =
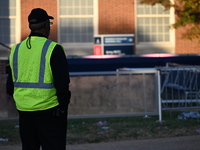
(111, 64)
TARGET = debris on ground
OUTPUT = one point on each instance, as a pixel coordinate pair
(3, 140)
(105, 128)
(189, 115)
(198, 130)
(101, 123)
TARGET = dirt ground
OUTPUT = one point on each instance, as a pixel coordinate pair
(173, 143)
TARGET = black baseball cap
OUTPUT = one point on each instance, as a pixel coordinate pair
(38, 15)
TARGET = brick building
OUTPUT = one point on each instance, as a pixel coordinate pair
(77, 21)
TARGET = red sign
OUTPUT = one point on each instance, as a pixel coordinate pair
(98, 50)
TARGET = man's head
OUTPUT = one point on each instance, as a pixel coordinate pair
(39, 21)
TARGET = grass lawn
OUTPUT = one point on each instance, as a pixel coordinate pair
(93, 130)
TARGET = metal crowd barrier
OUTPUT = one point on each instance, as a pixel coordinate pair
(125, 92)
(144, 82)
(103, 94)
(180, 87)
(116, 93)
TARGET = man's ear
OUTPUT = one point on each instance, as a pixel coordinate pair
(47, 25)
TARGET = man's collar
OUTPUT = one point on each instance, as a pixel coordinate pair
(36, 34)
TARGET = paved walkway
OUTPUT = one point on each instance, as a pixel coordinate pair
(174, 143)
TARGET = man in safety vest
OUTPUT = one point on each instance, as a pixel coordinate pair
(39, 83)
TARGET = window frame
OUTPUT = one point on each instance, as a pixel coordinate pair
(17, 26)
(78, 45)
(168, 45)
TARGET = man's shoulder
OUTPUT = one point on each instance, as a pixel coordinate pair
(15, 45)
(58, 46)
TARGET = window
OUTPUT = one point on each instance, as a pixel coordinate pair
(153, 23)
(153, 32)
(8, 15)
(76, 22)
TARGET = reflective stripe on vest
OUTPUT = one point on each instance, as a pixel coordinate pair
(40, 83)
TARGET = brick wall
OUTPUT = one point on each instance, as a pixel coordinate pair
(49, 5)
(116, 17)
(185, 46)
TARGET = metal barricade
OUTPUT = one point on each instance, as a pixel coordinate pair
(7, 105)
(116, 93)
(142, 87)
(102, 94)
(126, 91)
(180, 87)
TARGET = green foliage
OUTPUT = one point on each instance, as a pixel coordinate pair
(187, 15)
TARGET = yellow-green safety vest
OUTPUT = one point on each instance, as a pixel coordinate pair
(32, 75)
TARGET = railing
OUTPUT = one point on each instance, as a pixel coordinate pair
(144, 86)
(5, 45)
(180, 87)
(125, 92)
(104, 94)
